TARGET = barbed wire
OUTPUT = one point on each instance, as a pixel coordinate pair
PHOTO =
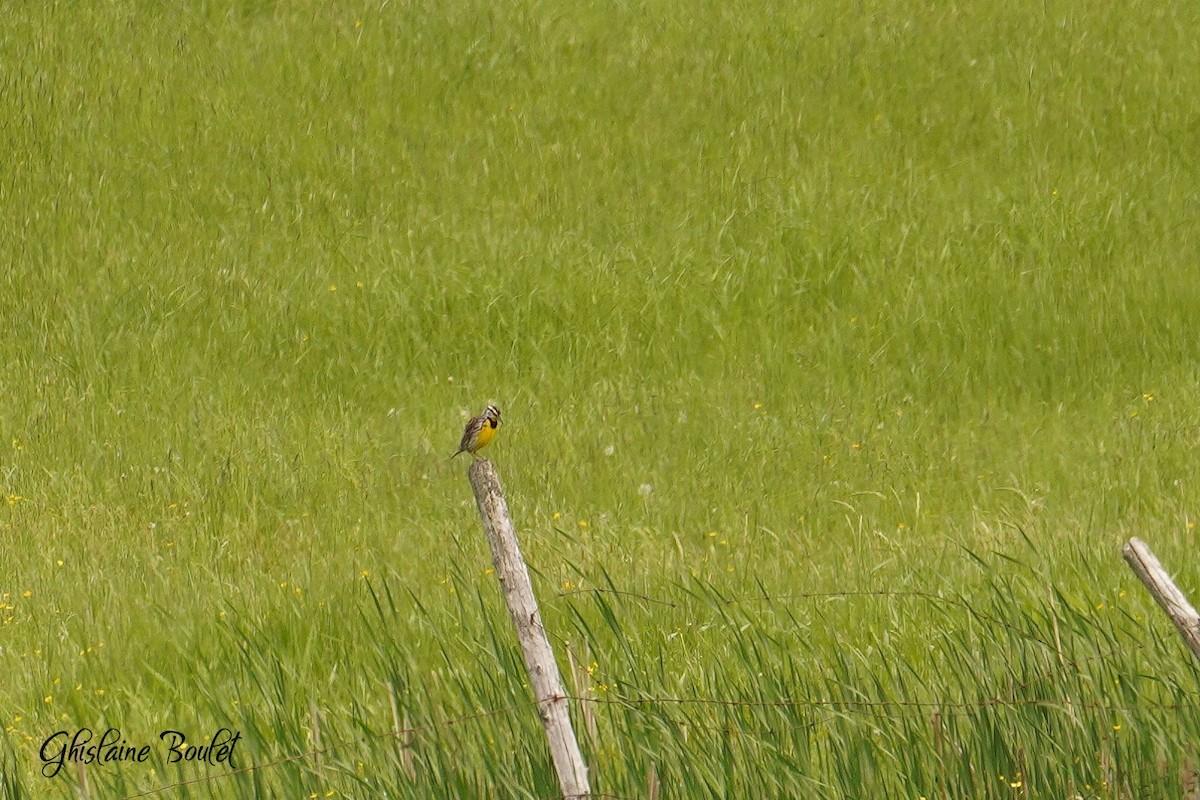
(930, 705)
(397, 733)
(641, 703)
(768, 598)
(1054, 645)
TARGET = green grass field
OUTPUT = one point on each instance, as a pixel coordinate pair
(840, 347)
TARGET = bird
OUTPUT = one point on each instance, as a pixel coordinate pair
(479, 431)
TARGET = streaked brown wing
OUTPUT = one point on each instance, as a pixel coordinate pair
(472, 430)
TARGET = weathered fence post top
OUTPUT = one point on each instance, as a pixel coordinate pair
(1164, 591)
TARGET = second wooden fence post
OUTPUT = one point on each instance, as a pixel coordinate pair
(1145, 565)
(543, 672)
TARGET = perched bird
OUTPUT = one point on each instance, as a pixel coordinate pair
(479, 431)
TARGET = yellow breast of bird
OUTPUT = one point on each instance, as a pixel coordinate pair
(485, 434)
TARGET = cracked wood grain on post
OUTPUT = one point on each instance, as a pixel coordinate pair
(1165, 592)
(544, 678)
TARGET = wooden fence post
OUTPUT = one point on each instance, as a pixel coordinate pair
(1163, 589)
(544, 677)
